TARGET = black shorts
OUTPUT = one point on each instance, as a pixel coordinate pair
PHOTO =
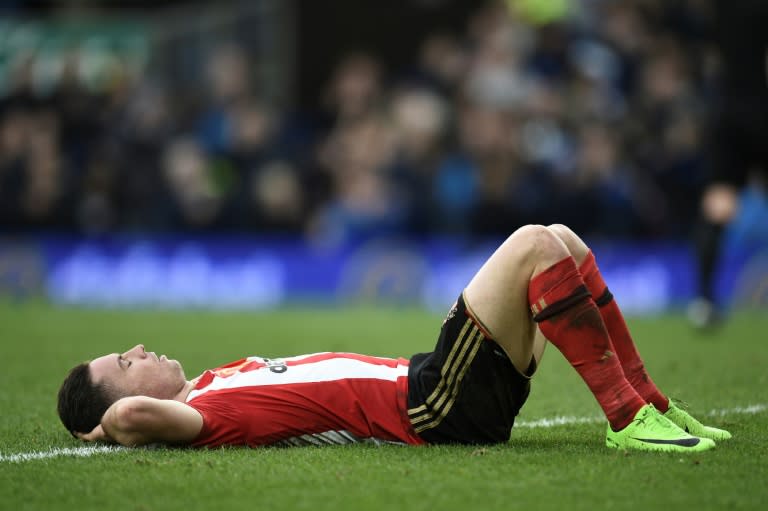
(466, 391)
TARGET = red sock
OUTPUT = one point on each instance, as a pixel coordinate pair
(620, 336)
(569, 319)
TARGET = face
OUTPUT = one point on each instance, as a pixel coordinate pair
(139, 373)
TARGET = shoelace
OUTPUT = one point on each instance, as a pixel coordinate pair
(690, 419)
(657, 421)
(640, 420)
(663, 423)
(680, 403)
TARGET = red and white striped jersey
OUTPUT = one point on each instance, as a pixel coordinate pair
(322, 398)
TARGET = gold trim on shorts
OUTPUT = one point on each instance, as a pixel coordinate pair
(489, 336)
(441, 400)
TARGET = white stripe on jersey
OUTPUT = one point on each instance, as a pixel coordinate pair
(341, 437)
(329, 369)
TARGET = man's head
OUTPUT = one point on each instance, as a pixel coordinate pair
(91, 387)
(82, 402)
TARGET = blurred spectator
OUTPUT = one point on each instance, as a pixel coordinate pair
(587, 113)
(138, 133)
(228, 84)
(189, 173)
(738, 151)
(33, 176)
(600, 193)
(355, 90)
(420, 120)
(442, 63)
(355, 155)
(277, 199)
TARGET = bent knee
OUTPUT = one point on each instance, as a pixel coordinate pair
(576, 246)
(562, 231)
(540, 242)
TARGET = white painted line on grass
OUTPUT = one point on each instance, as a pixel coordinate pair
(560, 420)
(749, 410)
(82, 452)
(565, 420)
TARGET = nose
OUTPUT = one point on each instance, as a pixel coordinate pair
(137, 351)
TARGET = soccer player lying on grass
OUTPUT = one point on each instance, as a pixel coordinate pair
(541, 284)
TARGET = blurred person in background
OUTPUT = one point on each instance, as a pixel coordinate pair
(34, 178)
(197, 203)
(420, 118)
(487, 132)
(141, 126)
(476, 179)
(83, 114)
(44, 193)
(355, 155)
(599, 189)
(277, 199)
(228, 85)
(474, 184)
(739, 150)
(97, 208)
(495, 91)
(442, 64)
(667, 144)
(13, 126)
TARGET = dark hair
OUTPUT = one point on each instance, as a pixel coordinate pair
(82, 402)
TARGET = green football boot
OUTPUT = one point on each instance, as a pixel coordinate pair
(651, 431)
(690, 425)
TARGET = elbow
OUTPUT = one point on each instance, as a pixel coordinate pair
(126, 422)
(126, 414)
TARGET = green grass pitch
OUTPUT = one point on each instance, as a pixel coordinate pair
(542, 467)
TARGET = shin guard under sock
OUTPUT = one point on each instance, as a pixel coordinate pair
(569, 319)
(623, 345)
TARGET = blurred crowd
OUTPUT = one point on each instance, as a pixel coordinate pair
(597, 119)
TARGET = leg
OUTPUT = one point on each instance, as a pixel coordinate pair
(534, 267)
(498, 293)
(622, 342)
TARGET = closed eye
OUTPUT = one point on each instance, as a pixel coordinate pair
(123, 363)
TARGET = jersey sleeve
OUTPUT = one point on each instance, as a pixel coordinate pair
(222, 422)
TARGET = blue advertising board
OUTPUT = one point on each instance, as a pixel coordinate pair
(235, 273)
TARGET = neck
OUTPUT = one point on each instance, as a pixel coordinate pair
(184, 392)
